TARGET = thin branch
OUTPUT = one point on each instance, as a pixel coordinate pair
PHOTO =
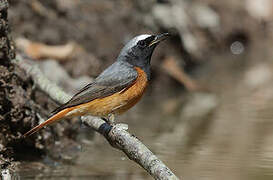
(41, 81)
(116, 135)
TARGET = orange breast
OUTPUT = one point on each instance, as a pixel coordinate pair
(118, 102)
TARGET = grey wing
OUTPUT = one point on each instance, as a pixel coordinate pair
(114, 79)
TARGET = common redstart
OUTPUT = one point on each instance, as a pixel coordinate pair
(116, 89)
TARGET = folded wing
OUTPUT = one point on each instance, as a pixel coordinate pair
(114, 79)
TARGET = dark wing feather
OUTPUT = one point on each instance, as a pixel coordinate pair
(112, 80)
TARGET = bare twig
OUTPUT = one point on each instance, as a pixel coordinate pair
(117, 136)
(42, 82)
(171, 67)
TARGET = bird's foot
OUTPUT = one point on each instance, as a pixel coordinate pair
(110, 119)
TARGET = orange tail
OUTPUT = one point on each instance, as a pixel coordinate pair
(51, 120)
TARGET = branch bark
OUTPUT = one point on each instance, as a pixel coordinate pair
(117, 135)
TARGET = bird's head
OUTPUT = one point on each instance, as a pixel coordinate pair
(139, 50)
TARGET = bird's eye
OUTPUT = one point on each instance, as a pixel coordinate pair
(142, 43)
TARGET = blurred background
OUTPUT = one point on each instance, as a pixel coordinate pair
(207, 112)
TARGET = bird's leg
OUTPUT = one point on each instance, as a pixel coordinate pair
(111, 119)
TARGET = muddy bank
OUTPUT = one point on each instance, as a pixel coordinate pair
(7, 84)
(21, 107)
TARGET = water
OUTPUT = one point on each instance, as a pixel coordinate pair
(226, 134)
(234, 146)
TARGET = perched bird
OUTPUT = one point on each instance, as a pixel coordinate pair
(117, 88)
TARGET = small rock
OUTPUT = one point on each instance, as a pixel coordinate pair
(206, 17)
(261, 9)
(258, 75)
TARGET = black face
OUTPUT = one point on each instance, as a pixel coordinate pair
(145, 42)
(140, 54)
(139, 50)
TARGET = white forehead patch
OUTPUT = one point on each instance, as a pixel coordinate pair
(133, 42)
(141, 37)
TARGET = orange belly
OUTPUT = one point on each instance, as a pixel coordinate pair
(116, 103)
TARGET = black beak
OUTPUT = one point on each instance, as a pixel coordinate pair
(159, 38)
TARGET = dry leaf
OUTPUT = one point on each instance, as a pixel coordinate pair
(39, 51)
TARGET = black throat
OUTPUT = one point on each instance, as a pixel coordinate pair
(135, 62)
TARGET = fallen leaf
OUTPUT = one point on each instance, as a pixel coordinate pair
(40, 51)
